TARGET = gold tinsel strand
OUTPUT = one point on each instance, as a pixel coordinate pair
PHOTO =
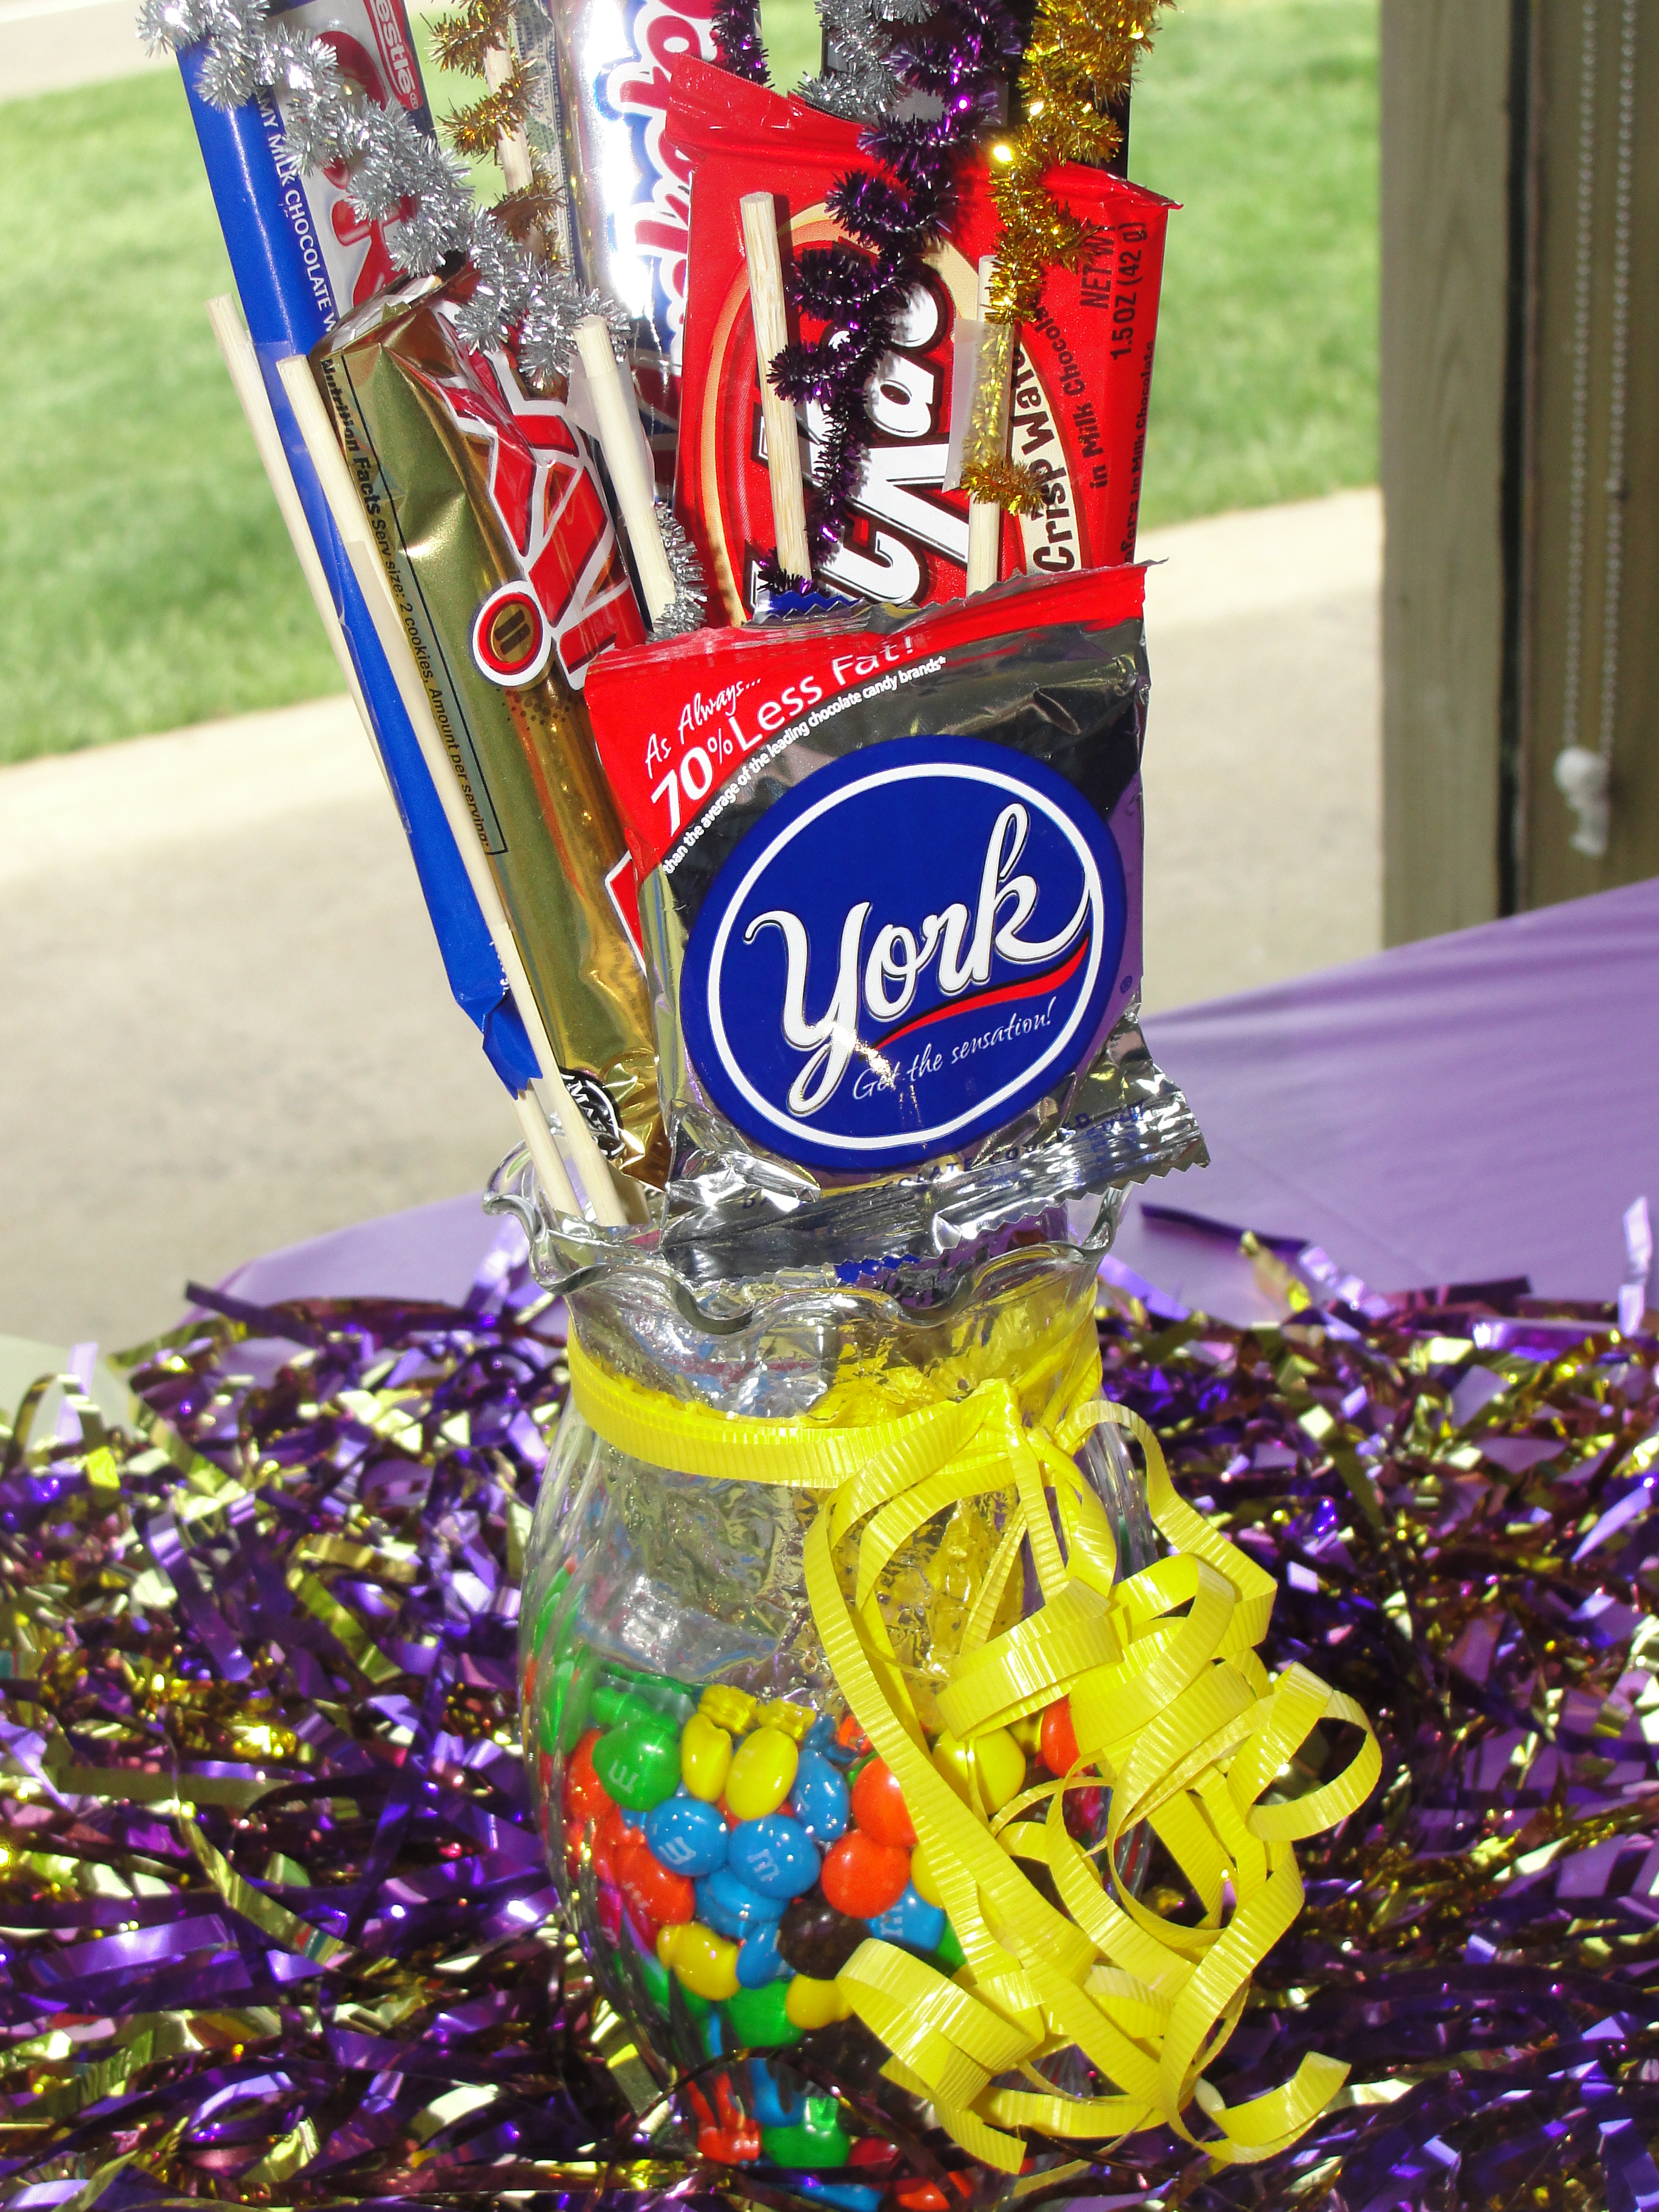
(1003, 484)
(460, 40)
(1081, 56)
(527, 216)
(987, 474)
(476, 132)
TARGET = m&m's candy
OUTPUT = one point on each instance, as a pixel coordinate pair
(818, 1798)
(651, 1888)
(727, 1903)
(912, 1922)
(817, 1939)
(1058, 1741)
(923, 1875)
(762, 1768)
(773, 1855)
(639, 1761)
(705, 1757)
(994, 1758)
(759, 2019)
(687, 1835)
(812, 2004)
(706, 1962)
(759, 1960)
(862, 1877)
(879, 1805)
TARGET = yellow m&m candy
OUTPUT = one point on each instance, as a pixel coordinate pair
(921, 1875)
(810, 2003)
(998, 1758)
(763, 1771)
(705, 1758)
(705, 1962)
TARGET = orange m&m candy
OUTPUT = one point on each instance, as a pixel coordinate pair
(862, 1877)
(612, 1837)
(585, 1795)
(1057, 1742)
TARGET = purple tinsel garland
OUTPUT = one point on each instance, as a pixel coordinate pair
(964, 56)
(277, 1911)
(737, 33)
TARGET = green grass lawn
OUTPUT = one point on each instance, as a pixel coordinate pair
(145, 581)
(1260, 116)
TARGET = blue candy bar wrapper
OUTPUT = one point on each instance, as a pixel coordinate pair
(301, 258)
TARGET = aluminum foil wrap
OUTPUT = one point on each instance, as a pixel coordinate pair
(890, 896)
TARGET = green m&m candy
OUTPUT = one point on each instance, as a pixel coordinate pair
(758, 2018)
(816, 2139)
(639, 1761)
(565, 1708)
(950, 1951)
(656, 1977)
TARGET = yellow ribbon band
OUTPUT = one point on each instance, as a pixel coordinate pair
(1173, 1712)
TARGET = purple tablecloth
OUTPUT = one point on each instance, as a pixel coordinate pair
(1473, 1107)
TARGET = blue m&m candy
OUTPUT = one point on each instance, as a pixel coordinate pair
(819, 1800)
(728, 1904)
(912, 1921)
(773, 1855)
(759, 1960)
(845, 2196)
(686, 1836)
(775, 2094)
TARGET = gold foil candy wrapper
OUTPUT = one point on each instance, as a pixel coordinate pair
(509, 577)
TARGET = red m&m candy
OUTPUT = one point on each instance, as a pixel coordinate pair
(930, 2197)
(879, 1806)
(862, 1877)
(652, 1890)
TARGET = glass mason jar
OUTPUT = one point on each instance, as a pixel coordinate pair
(721, 1836)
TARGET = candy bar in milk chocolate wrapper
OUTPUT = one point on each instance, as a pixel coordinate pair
(1081, 378)
(504, 561)
(599, 105)
(889, 871)
(301, 257)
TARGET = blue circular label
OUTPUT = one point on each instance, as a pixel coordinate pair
(912, 946)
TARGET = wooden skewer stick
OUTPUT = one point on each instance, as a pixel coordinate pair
(249, 386)
(512, 147)
(237, 348)
(766, 306)
(574, 1171)
(984, 516)
(625, 457)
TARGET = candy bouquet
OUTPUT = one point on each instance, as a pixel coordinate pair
(728, 538)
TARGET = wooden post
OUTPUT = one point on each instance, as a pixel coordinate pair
(1547, 866)
(1500, 257)
(1446, 191)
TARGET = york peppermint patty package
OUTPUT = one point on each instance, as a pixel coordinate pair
(890, 892)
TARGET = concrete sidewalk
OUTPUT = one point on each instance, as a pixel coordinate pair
(48, 45)
(225, 1026)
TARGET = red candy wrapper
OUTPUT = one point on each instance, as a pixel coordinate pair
(1082, 373)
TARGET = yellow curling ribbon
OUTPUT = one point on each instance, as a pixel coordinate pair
(1173, 1710)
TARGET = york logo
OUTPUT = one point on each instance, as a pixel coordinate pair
(907, 952)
